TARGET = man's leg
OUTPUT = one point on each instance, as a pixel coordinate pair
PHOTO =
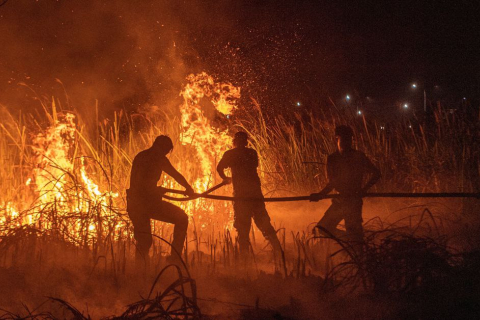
(262, 220)
(170, 213)
(243, 224)
(138, 213)
(353, 220)
(143, 237)
(331, 219)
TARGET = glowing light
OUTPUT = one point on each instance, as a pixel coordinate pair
(359, 112)
(298, 104)
(464, 98)
(382, 128)
(414, 85)
(347, 97)
(13, 213)
(208, 141)
(61, 185)
(64, 182)
(405, 106)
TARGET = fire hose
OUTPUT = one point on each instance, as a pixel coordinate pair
(207, 195)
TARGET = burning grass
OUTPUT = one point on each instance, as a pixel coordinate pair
(63, 179)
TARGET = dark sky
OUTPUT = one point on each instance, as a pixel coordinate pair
(130, 53)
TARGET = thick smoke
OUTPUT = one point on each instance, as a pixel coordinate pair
(130, 53)
(123, 53)
(126, 54)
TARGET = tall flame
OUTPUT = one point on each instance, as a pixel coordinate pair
(69, 201)
(208, 141)
(52, 159)
(55, 149)
(63, 189)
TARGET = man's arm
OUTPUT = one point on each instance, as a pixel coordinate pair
(374, 172)
(255, 161)
(329, 187)
(172, 172)
(222, 165)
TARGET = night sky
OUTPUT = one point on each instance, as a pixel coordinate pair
(128, 54)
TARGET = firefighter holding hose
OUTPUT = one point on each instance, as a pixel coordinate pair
(243, 162)
(144, 199)
(346, 170)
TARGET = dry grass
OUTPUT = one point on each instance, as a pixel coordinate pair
(399, 259)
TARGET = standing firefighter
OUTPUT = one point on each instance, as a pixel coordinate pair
(243, 163)
(144, 198)
(346, 170)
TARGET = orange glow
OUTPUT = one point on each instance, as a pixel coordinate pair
(61, 200)
(67, 196)
(209, 142)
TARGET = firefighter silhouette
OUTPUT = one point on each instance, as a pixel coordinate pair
(243, 162)
(144, 198)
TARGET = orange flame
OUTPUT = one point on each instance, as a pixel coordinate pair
(59, 188)
(66, 198)
(208, 141)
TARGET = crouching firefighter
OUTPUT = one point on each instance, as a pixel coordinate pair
(243, 162)
(144, 199)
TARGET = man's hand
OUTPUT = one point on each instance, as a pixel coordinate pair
(227, 180)
(362, 193)
(315, 197)
(190, 192)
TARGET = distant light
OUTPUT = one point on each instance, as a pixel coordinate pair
(347, 97)
(414, 85)
(464, 98)
(410, 126)
(382, 128)
(228, 116)
(298, 104)
(359, 112)
(405, 106)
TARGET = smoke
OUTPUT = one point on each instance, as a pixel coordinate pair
(127, 54)
(123, 53)
(130, 53)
